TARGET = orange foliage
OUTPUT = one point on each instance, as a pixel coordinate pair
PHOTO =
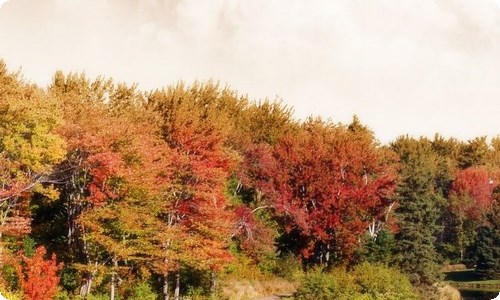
(203, 168)
(37, 276)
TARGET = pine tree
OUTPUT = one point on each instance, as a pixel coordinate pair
(487, 245)
(378, 250)
(418, 211)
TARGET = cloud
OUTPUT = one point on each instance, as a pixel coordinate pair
(402, 66)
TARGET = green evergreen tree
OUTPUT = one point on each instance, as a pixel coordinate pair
(378, 250)
(487, 245)
(418, 211)
(474, 153)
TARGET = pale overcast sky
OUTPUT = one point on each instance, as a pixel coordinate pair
(411, 66)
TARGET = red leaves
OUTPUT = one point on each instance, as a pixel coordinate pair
(201, 166)
(325, 182)
(201, 175)
(255, 238)
(37, 276)
(472, 190)
(103, 166)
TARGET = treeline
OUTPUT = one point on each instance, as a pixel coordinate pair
(145, 193)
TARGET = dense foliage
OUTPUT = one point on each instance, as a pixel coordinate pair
(366, 281)
(163, 193)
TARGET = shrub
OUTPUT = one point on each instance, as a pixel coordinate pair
(69, 279)
(366, 281)
(143, 291)
(317, 285)
(9, 277)
(99, 297)
(62, 295)
(323, 286)
(12, 296)
(289, 267)
(381, 282)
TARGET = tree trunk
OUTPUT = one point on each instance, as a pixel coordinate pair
(213, 284)
(327, 256)
(86, 286)
(113, 279)
(166, 295)
(1, 249)
(74, 207)
(177, 285)
(112, 293)
(89, 283)
(71, 222)
(3, 220)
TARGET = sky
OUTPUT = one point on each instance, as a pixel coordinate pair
(403, 66)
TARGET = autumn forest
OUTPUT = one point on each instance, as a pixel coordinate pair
(194, 191)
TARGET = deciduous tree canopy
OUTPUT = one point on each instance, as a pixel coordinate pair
(167, 191)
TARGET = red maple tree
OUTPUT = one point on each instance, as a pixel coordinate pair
(326, 184)
(472, 191)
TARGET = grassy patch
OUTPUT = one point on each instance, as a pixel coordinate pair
(240, 289)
